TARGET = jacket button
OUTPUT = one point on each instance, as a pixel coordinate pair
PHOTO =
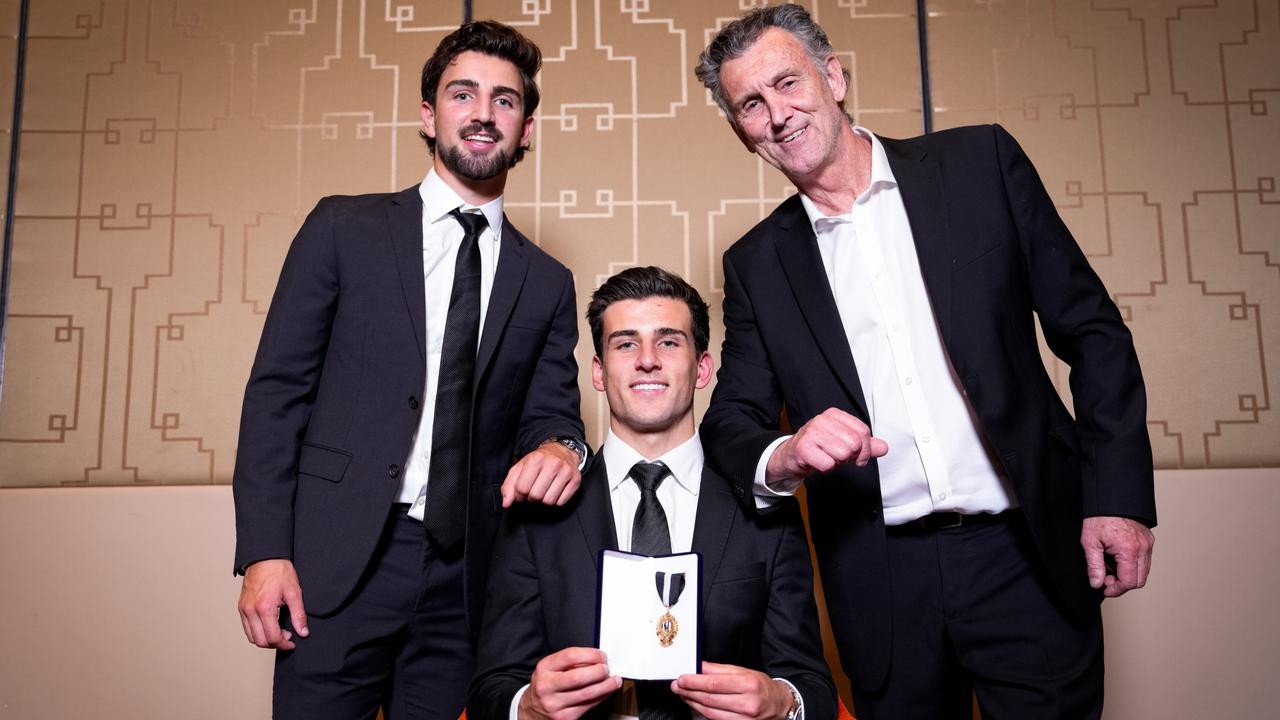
(738, 491)
(394, 471)
(873, 516)
(413, 403)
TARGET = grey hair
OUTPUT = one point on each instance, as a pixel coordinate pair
(738, 36)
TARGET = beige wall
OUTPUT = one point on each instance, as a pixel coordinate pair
(119, 604)
(170, 149)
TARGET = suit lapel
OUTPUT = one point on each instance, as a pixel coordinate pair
(717, 509)
(802, 264)
(404, 217)
(595, 514)
(920, 183)
(508, 279)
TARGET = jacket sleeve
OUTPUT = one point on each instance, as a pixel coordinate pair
(743, 418)
(512, 638)
(1083, 327)
(791, 644)
(281, 390)
(553, 405)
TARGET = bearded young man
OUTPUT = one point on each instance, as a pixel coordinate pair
(417, 344)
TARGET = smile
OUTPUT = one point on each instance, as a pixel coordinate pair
(793, 135)
(480, 138)
(649, 387)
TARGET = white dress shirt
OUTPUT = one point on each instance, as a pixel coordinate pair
(937, 459)
(441, 236)
(678, 494)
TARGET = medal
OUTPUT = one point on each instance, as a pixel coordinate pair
(669, 589)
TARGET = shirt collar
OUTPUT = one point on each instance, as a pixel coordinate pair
(684, 461)
(438, 200)
(881, 179)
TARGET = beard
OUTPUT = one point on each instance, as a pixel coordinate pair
(471, 167)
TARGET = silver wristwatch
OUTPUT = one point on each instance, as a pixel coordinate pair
(575, 445)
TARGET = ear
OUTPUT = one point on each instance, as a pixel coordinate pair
(527, 133)
(428, 119)
(834, 73)
(706, 369)
(597, 374)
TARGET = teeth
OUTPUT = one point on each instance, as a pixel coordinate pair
(480, 138)
(648, 386)
(793, 135)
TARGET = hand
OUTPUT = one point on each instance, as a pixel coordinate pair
(833, 438)
(269, 584)
(1128, 541)
(549, 474)
(566, 684)
(724, 692)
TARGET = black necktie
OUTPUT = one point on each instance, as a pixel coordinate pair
(651, 536)
(649, 532)
(445, 518)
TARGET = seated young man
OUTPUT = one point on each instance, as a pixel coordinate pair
(647, 491)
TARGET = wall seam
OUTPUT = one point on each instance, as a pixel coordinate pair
(922, 41)
(15, 135)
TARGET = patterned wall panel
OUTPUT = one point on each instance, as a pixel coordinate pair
(170, 149)
(1154, 127)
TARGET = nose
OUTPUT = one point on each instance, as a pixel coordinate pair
(779, 112)
(482, 111)
(647, 358)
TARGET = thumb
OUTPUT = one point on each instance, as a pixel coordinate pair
(879, 448)
(297, 614)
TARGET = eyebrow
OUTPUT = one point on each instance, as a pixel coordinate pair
(661, 332)
(774, 80)
(472, 84)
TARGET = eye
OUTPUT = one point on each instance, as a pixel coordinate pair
(669, 343)
(462, 96)
(506, 102)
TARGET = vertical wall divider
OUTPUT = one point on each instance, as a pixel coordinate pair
(15, 136)
(926, 93)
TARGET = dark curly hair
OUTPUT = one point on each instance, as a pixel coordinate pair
(490, 38)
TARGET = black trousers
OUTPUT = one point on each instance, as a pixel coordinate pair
(400, 643)
(973, 611)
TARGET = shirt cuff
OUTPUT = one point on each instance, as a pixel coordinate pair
(765, 494)
(799, 698)
(515, 702)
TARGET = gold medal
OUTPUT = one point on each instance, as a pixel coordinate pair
(667, 628)
(669, 589)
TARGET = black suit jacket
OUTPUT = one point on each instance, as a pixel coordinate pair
(757, 592)
(994, 255)
(334, 398)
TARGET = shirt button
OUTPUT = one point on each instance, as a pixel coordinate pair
(393, 471)
(940, 497)
(926, 438)
(413, 403)
(908, 380)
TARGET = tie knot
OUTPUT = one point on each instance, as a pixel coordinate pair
(649, 475)
(472, 223)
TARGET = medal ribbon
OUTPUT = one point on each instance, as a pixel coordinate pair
(669, 592)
